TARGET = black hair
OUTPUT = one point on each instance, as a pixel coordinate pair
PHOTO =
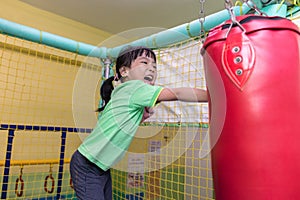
(125, 58)
(105, 92)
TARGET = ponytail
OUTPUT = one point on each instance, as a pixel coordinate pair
(105, 92)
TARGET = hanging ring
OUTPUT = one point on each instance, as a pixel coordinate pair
(52, 182)
(21, 181)
(46, 184)
(71, 183)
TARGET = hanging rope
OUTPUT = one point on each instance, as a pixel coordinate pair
(19, 180)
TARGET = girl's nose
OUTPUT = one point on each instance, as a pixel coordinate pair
(152, 69)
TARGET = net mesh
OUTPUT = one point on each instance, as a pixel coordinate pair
(46, 96)
(47, 102)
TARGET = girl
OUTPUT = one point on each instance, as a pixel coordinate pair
(124, 108)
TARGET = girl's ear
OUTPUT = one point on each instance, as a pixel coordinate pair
(123, 71)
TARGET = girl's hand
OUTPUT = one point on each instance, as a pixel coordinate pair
(148, 112)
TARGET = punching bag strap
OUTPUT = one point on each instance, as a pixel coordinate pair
(238, 58)
(238, 53)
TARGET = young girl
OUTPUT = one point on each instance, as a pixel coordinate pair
(125, 107)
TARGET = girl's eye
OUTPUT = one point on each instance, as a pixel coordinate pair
(144, 62)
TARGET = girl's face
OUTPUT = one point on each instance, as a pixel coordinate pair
(143, 68)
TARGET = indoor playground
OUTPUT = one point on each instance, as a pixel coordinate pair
(241, 145)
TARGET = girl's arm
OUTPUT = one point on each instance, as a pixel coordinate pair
(183, 94)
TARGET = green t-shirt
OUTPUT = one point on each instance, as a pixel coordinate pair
(115, 129)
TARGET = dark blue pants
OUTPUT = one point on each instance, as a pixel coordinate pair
(89, 181)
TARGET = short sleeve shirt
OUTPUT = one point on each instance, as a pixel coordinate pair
(116, 127)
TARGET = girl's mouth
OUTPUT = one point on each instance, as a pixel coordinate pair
(148, 79)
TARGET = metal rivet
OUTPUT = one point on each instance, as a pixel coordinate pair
(239, 72)
(235, 49)
(238, 59)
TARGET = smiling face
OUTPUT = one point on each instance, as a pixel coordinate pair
(142, 68)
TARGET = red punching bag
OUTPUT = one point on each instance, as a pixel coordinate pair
(253, 78)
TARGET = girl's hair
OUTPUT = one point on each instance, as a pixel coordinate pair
(125, 58)
(105, 92)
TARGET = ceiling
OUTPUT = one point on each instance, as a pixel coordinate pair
(115, 16)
